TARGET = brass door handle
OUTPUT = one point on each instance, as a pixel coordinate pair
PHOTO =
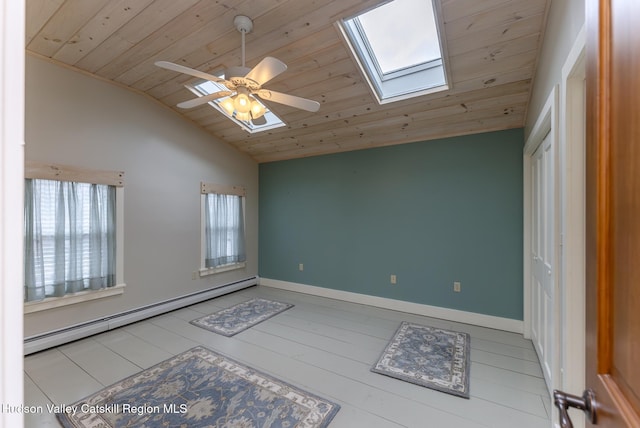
(586, 403)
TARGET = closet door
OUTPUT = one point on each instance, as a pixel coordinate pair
(543, 284)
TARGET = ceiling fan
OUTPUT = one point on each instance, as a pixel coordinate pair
(243, 84)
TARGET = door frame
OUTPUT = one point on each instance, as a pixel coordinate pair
(12, 77)
(573, 250)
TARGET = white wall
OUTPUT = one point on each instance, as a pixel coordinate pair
(564, 21)
(74, 119)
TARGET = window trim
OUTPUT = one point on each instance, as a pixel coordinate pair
(206, 188)
(73, 298)
(47, 171)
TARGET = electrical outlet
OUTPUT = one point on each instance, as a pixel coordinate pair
(456, 287)
(301, 267)
(394, 279)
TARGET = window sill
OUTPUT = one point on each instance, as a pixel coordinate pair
(71, 299)
(225, 268)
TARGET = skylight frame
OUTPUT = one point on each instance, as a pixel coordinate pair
(403, 83)
(273, 121)
(370, 52)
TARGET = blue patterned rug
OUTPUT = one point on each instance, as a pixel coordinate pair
(240, 317)
(200, 388)
(430, 357)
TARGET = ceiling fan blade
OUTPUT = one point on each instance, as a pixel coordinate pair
(266, 70)
(290, 100)
(203, 100)
(186, 70)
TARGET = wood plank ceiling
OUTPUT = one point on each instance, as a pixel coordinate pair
(492, 49)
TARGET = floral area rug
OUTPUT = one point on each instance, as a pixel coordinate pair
(200, 388)
(240, 317)
(430, 357)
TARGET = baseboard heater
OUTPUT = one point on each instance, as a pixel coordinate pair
(79, 331)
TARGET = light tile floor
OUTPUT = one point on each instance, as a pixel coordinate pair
(325, 346)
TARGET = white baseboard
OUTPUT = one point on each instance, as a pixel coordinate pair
(482, 320)
(58, 337)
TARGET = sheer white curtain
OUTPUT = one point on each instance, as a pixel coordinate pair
(224, 230)
(69, 237)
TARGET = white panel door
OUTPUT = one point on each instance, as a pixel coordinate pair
(542, 323)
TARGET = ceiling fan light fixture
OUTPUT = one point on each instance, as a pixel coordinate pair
(257, 109)
(243, 107)
(227, 105)
(243, 116)
(242, 103)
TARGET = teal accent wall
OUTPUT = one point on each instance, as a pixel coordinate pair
(430, 213)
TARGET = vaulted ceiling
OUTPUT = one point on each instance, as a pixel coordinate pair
(492, 48)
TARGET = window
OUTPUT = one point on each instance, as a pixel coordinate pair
(398, 48)
(69, 237)
(207, 87)
(70, 234)
(223, 228)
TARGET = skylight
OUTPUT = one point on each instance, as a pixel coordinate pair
(398, 48)
(207, 87)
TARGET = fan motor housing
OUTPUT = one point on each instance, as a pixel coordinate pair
(235, 75)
